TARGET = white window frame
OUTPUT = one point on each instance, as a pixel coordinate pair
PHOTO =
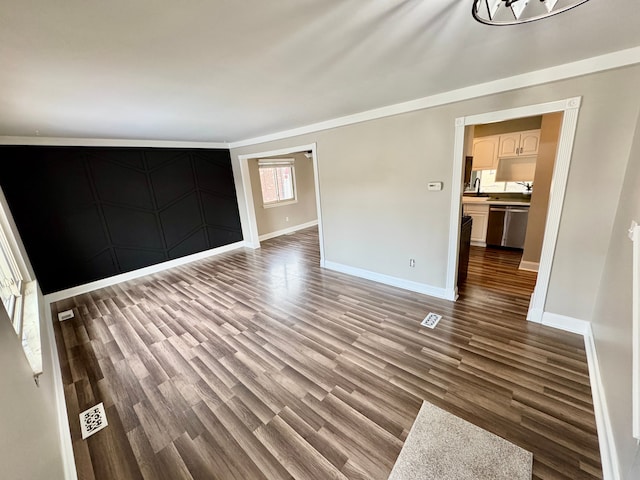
(507, 187)
(274, 163)
(23, 309)
(12, 280)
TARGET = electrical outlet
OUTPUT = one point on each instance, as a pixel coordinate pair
(66, 315)
(412, 262)
(286, 219)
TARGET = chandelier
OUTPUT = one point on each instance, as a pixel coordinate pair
(513, 12)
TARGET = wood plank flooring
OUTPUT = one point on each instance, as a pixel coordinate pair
(261, 365)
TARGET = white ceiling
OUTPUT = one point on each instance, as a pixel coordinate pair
(227, 70)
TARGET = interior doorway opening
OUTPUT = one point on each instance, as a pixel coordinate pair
(507, 181)
(282, 193)
(567, 111)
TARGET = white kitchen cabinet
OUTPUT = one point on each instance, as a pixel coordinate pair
(519, 143)
(480, 216)
(509, 145)
(485, 152)
(529, 142)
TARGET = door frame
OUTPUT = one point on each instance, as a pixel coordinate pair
(570, 108)
(254, 238)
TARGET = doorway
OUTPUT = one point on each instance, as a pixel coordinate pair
(253, 195)
(505, 161)
(569, 108)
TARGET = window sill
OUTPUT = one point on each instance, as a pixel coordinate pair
(279, 204)
(31, 343)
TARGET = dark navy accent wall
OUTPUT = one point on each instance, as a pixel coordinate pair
(88, 213)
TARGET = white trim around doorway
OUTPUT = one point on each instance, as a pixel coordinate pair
(254, 238)
(529, 266)
(570, 108)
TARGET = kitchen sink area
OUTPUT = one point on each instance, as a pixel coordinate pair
(503, 161)
(500, 199)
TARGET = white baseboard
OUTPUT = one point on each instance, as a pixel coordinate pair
(66, 447)
(123, 277)
(64, 434)
(568, 324)
(610, 467)
(535, 315)
(529, 266)
(393, 281)
(285, 231)
(476, 243)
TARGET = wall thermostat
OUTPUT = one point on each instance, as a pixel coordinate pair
(435, 186)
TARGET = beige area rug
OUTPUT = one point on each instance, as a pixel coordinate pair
(441, 446)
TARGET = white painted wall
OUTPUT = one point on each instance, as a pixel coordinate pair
(30, 445)
(29, 441)
(611, 323)
(377, 212)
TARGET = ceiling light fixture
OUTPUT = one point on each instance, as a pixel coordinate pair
(513, 12)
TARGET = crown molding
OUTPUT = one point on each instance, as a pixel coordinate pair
(621, 58)
(105, 142)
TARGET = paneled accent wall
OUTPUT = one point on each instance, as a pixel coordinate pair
(88, 213)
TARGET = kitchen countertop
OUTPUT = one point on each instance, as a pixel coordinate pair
(466, 200)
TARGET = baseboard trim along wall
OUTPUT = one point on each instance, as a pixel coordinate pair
(123, 277)
(286, 231)
(529, 266)
(393, 281)
(568, 324)
(64, 434)
(610, 467)
(66, 447)
(562, 322)
(605, 435)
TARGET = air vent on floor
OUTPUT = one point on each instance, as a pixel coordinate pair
(431, 320)
(93, 420)
(66, 315)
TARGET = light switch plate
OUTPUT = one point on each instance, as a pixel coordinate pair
(434, 186)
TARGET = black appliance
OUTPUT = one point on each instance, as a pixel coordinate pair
(465, 242)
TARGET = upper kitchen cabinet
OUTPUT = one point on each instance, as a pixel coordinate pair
(519, 143)
(485, 152)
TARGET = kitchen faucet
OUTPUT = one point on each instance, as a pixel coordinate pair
(477, 182)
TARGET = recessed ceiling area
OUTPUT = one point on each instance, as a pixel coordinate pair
(228, 70)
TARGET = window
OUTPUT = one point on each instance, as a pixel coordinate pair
(19, 296)
(10, 285)
(277, 180)
(488, 183)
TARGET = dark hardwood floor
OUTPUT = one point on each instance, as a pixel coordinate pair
(261, 365)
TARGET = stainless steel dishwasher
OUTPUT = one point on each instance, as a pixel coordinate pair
(507, 225)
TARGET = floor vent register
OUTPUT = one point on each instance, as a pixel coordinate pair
(431, 320)
(93, 420)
